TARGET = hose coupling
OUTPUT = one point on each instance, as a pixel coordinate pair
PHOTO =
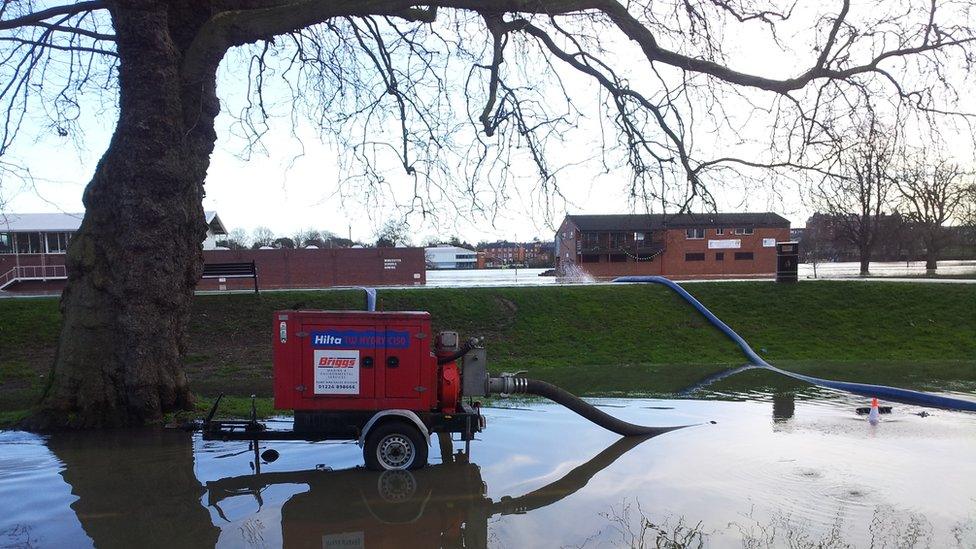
(508, 384)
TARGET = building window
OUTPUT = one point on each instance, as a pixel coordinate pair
(696, 256)
(719, 232)
(618, 258)
(591, 240)
(57, 243)
(618, 240)
(694, 234)
(639, 237)
(590, 258)
(6, 244)
(29, 243)
(719, 256)
(743, 256)
(743, 230)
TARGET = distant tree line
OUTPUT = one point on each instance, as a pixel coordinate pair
(883, 201)
(263, 237)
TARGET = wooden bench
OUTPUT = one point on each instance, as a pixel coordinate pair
(232, 270)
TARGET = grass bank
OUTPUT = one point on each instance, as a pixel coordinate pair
(590, 339)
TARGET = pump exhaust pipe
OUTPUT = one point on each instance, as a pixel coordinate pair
(510, 384)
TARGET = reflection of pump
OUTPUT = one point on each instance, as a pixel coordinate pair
(443, 505)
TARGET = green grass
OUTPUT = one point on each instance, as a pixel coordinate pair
(590, 339)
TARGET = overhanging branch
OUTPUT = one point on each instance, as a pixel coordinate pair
(40, 16)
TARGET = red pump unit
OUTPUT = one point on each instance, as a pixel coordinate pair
(353, 360)
(372, 377)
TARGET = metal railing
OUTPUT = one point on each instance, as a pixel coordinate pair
(33, 272)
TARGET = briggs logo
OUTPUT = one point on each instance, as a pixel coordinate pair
(333, 362)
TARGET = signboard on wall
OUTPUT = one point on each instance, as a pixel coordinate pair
(725, 244)
(769, 243)
(336, 372)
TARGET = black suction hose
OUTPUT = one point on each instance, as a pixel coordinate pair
(590, 412)
(509, 384)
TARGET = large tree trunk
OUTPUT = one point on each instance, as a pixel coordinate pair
(136, 258)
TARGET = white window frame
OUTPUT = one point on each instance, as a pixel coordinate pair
(719, 232)
(10, 242)
(689, 232)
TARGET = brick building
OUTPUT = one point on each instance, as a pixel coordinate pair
(721, 245)
(539, 254)
(501, 253)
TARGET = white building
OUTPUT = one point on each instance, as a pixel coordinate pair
(451, 257)
(49, 233)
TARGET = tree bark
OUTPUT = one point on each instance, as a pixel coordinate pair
(134, 262)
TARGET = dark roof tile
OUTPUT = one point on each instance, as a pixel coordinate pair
(677, 221)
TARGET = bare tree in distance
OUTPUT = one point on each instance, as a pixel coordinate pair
(393, 233)
(932, 192)
(860, 192)
(239, 237)
(462, 95)
(307, 237)
(262, 237)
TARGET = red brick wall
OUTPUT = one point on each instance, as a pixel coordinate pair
(762, 264)
(304, 268)
(311, 268)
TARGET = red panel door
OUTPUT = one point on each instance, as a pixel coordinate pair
(401, 364)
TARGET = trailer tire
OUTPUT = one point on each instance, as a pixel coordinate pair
(393, 446)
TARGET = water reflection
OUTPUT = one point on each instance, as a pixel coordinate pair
(816, 475)
(135, 488)
(784, 406)
(443, 505)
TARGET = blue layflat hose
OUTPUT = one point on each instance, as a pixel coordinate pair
(883, 392)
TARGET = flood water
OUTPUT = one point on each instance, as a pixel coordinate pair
(530, 277)
(773, 471)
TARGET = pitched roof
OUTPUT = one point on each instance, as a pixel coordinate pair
(40, 222)
(677, 221)
(69, 222)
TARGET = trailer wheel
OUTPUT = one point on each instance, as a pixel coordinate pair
(395, 446)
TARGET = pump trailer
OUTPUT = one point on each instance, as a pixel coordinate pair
(376, 378)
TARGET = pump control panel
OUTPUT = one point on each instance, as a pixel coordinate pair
(354, 360)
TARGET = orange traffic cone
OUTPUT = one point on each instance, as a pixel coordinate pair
(874, 416)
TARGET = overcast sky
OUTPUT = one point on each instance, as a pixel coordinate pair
(295, 184)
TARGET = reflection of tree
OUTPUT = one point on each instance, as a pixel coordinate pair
(888, 528)
(135, 488)
(666, 533)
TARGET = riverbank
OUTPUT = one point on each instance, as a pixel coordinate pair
(594, 340)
